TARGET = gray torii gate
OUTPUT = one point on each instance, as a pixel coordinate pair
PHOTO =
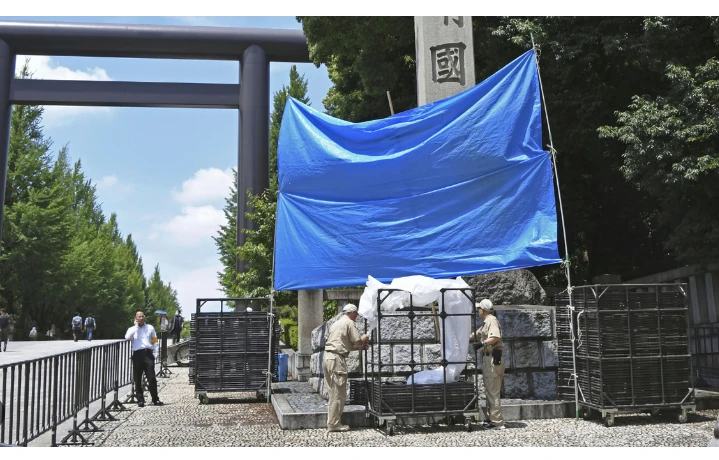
(253, 49)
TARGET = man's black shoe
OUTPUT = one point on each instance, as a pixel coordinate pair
(141, 404)
(158, 403)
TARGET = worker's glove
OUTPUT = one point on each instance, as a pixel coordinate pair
(477, 345)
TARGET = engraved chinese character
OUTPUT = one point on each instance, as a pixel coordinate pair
(448, 63)
(459, 21)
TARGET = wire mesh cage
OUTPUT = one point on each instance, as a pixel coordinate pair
(631, 348)
(388, 399)
(231, 351)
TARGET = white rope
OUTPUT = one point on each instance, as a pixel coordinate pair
(565, 263)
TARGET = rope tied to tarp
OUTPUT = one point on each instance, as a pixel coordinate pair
(565, 263)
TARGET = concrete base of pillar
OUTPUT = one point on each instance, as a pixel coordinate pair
(302, 367)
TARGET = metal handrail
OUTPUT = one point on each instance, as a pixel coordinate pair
(38, 395)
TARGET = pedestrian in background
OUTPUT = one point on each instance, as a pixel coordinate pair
(4, 329)
(144, 353)
(76, 326)
(177, 322)
(90, 325)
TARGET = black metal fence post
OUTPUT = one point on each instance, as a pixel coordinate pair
(164, 370)
(116, 405)
(104, 415)
(26, 397)
(81, 396)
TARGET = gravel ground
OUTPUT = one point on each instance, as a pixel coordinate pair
(241, 421)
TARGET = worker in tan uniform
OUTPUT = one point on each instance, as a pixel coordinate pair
(343, 338)
(489, 346)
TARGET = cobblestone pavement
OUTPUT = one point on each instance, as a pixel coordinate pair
(242, 421)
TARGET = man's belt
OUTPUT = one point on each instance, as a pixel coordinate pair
(335, 353)
(490, 353)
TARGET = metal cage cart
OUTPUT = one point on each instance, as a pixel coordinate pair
(632, 349)
(389, 401)
(232, 351)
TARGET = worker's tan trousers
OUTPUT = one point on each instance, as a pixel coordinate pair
(492, 376)
(335, 370)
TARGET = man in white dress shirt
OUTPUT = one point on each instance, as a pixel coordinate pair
(144, 351)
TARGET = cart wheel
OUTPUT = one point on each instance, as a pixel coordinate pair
(587, 413)
(656, 412)
(203, 398)
(608, 420)
(682, 418)
(468, 425)
(259, 396)
(390, 428)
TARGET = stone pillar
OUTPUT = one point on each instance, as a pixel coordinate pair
(445, 56)
(309, 316)
(7, 73)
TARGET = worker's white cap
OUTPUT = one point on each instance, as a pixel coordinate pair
(249, 308)
(486, 305)
(349, 308)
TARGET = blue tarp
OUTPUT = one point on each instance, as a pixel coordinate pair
(457, 187)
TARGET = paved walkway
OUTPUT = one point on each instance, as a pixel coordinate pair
(24, 351)
(245, 422)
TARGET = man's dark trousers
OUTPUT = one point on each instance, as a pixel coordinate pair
(143, 361)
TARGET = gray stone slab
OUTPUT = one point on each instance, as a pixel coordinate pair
(525, 323)
(516, 385)
(402, 329)
(544, 384)
(525, 354)
(386, 357)
(549, 353)
(403, 354)
(510, 287)
(432, 353)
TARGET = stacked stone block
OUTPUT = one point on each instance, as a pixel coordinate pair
(530, 350)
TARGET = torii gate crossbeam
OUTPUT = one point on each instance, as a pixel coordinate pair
(253, 49)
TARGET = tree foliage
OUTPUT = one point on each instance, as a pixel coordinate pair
(591, 68)
(672, 154)
(60, 254)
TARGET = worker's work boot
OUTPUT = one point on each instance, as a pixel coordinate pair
(341, 429)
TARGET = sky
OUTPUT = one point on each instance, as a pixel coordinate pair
(164, 172)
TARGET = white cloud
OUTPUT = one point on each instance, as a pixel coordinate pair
(107, 182)
(196, 224)
(196, 284)
(46, 68)
(111, 190)
(206, 186)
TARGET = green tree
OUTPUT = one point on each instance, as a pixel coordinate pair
(60, 254)
(365, 58)
(672, 154)
(160, 296)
